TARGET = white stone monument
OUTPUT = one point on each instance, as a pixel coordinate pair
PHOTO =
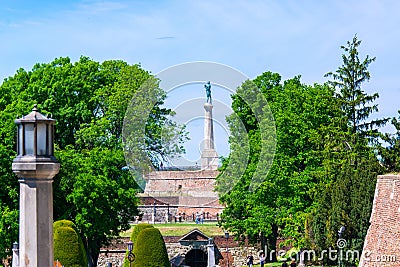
(209, 156)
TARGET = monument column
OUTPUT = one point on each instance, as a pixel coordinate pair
(35, 166)
(208, 127)
(209, 157)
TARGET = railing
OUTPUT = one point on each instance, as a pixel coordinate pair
(179, 168)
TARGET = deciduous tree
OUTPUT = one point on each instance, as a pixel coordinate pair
(278, 207)
(88, 99)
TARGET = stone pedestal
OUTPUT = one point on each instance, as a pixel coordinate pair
(209, 160)
(15, 257)
(36, 211)
(209, 157)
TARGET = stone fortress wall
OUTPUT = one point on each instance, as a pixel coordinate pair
(236, 253)
(180, 195)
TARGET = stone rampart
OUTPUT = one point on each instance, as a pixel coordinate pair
(181, 183)
(173, 195)
(237, 254)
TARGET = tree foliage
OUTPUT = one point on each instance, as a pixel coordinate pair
(88, 99)
(350, 163)
(281, 202)
(324, 170)
(389, 151)
(354, 102)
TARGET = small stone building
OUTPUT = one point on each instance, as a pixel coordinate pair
(194, 250)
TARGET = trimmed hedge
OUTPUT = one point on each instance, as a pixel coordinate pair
(68, 246)
(135, 232)
(150, 250)
(137, 229)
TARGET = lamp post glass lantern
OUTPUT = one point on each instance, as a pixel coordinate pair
(35, 135)
(130, 246)
(131, 256)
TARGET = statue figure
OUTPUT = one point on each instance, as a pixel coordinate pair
(208, 91)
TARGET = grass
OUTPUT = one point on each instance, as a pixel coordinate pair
(277, 264)
(179, 229)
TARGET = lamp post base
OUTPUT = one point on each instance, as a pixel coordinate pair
(36, 212)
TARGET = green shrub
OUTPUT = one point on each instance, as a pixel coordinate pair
(137, 229)
(68, 246)
(135, 232)
(150, 250)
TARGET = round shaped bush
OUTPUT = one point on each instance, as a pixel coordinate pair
(68, 246)
(137, 229)
(135, 232)
(150, 250)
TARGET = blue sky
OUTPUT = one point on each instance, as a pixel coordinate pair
(288, 37)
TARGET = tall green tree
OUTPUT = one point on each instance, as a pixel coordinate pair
(350, 164)
(88, 99)
(278, 207)
(357, 106)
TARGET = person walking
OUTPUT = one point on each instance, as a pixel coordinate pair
(250, 260)
(293, 263)
(262, 259)
(284, 264)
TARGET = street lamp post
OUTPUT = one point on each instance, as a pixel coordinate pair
(35, 166)
(227, 239)
(131, 256)
(15, 257)
(167, 212)
(154, 212)
(340, 244)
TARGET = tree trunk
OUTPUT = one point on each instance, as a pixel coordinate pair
(271, 244)
(93, 256)
(93, 251)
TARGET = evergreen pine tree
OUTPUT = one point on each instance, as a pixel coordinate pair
(355, 103)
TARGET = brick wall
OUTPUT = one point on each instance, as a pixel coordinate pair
(382, 243)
